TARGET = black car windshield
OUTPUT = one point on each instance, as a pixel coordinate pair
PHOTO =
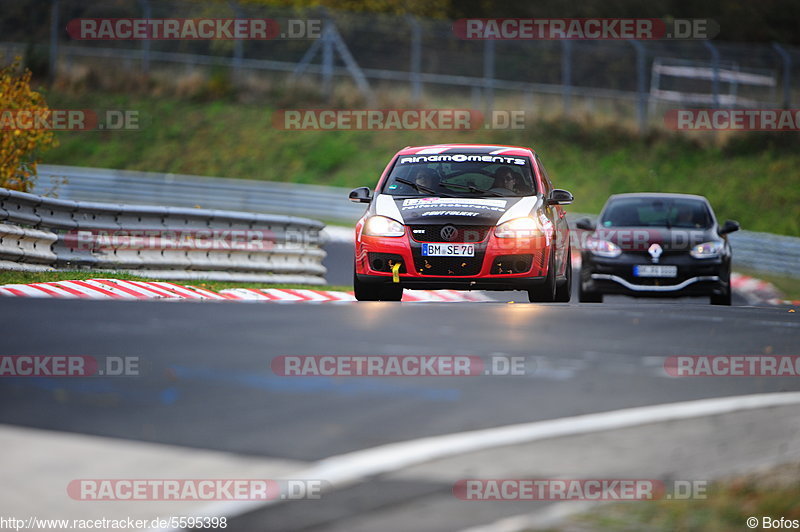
(460, 175)
(657, 212)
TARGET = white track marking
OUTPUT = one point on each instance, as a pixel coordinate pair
(350, 468)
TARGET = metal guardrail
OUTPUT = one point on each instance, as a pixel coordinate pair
(147, 188)
(39, 233)
(758, 251)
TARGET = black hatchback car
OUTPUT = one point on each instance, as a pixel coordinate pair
(651, 245)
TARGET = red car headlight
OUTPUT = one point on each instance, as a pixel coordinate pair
(383, 226)
(524, 227)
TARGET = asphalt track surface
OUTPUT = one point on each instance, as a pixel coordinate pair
(206, 381)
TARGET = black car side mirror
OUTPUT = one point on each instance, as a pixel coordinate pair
(729, 226)
(586, 224)
(560, 197)
(360, 195)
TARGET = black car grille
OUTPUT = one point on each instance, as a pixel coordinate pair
(464, 233)
(448, 266)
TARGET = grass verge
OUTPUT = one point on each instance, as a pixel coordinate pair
(233, 139)
(771, 493)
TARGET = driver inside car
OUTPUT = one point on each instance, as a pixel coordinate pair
(504, 179)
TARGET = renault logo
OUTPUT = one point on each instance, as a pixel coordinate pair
(655, 252)
(448, 233)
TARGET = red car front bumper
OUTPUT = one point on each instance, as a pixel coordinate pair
(498, 264)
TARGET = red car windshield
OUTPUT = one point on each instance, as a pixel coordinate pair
(460, 175)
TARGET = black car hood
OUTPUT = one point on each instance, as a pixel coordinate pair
(471, 211)
(641, 238)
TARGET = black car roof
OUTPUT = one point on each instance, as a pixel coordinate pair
(664, 195)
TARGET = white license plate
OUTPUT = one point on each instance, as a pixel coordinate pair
(448, 250)
(647, 270)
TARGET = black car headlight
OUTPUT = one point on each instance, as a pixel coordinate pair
(603, 248)
(706, 250)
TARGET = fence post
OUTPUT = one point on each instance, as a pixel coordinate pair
(416, 59)
(53, 63)
(488, 74)
(566, 75)
(327, 61)
(787, 74)
(238, 45)
(641, 95)
(715, 68)
(147, 13)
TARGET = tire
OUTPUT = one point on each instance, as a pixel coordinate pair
(546, 293)
(392, 292)
(723, 299)
(564, 290)
(365, 291)
(588, 297)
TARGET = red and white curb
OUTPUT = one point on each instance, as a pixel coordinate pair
(757, 291)
(132, 290)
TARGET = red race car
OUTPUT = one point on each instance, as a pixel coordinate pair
(463, 217)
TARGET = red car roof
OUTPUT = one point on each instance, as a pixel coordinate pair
(493, 149)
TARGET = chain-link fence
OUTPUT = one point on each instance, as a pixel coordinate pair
(425, 61)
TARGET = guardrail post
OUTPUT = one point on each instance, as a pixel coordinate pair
(715, 68)
(566, 75)
(53, 63)
(787, 74)
(147, 13)
(641, 94)
(488, 74)
(416, 60)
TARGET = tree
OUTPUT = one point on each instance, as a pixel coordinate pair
(20, 145)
